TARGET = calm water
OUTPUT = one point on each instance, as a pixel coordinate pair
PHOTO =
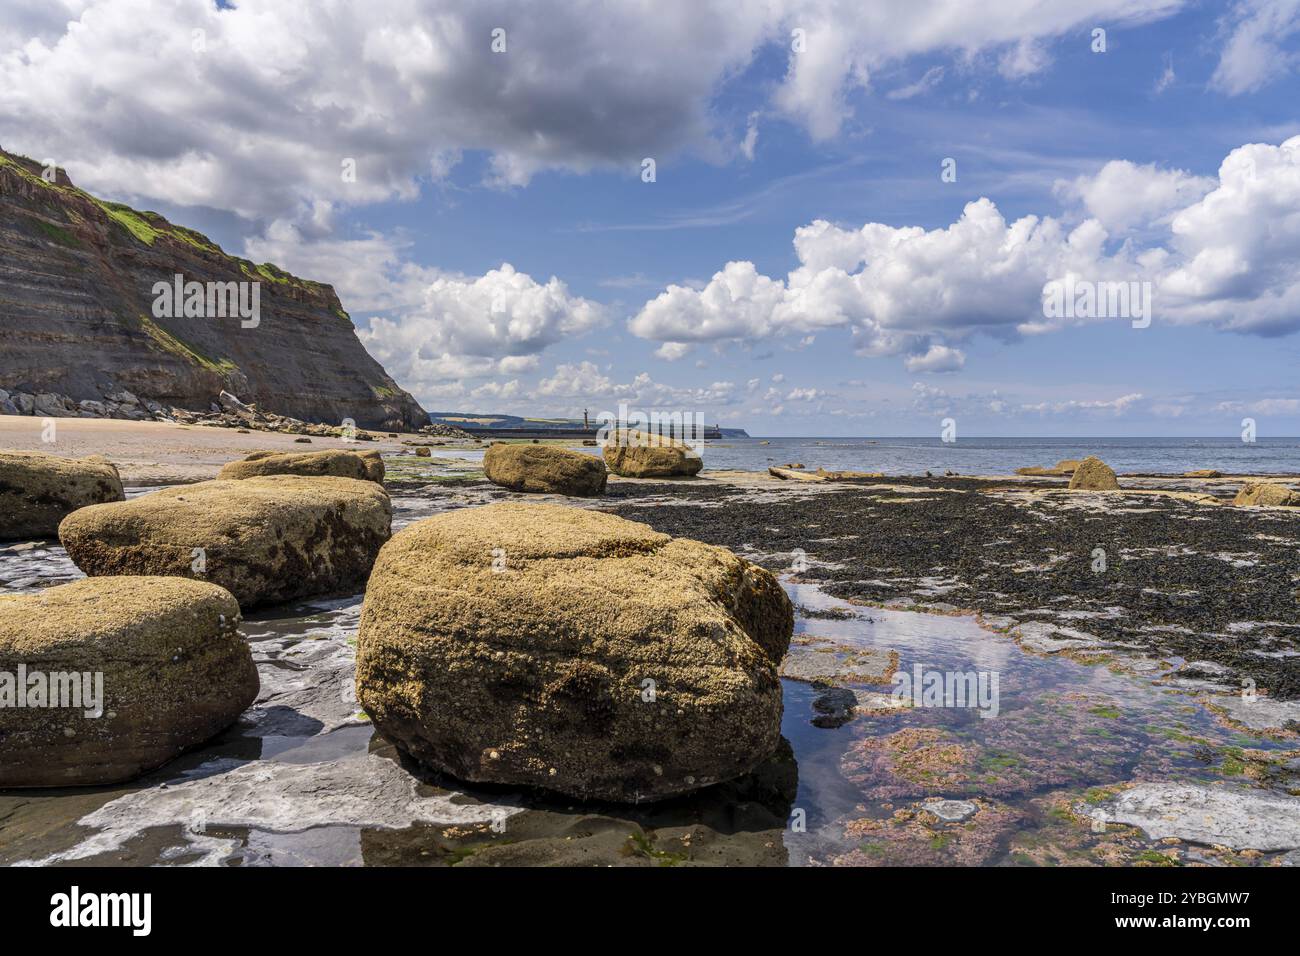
(1000, 456)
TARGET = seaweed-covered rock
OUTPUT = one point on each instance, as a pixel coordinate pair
(267, 539)
(544, 469)
(140, 668)
(332, 461)
(572, 650)
(37, 491)
(635, 454)
(1266, 493)
(1093, 474)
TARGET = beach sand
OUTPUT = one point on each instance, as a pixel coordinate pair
(161, 453)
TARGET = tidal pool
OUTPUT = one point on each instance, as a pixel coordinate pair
(858, 780)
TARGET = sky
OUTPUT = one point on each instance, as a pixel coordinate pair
(799, 217)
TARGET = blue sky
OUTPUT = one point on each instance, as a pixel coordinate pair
(500, 251)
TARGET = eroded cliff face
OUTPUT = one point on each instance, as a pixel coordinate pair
(76, 315)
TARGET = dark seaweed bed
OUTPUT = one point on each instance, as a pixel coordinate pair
(883, 550)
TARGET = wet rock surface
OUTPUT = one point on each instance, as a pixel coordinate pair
(1233, 816)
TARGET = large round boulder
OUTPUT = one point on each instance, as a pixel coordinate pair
(331, 462)
(572, 650)
(104, 679)
(265, 540)
(1266, 493)
(544, 469)
(635, 454)
(37, 491)
(1093, 474)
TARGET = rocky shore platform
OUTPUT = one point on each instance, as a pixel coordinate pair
(1141, 705)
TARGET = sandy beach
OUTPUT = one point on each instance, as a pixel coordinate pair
(161, 453)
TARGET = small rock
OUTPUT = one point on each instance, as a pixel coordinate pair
(952, 811)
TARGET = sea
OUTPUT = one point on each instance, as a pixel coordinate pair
(1001, 456)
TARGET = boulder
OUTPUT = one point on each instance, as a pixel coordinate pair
(374, 465)
(422, 451)
(141, 669)
(1203, 473)
(1266, 493)
(37, 491)
(1064, 467)
(267, 539)
(544, 469)
(572, 650)
(1093, 474)
(635, 454)
(332, 461)
(52, 405)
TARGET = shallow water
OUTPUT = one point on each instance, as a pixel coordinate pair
(302, 778)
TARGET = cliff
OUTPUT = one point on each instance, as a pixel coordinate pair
(77, 276)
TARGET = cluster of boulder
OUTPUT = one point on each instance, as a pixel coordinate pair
(546, 469)
(149, 642)
(516, 644)
(114, 404)
(1062, 469)
(1086, 474)
(227, 412)
(443, 430)
(1092, 474)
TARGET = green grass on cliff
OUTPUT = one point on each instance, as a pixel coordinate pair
(56, 232)
(133, 222)
(147, 227)
(182, 349)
